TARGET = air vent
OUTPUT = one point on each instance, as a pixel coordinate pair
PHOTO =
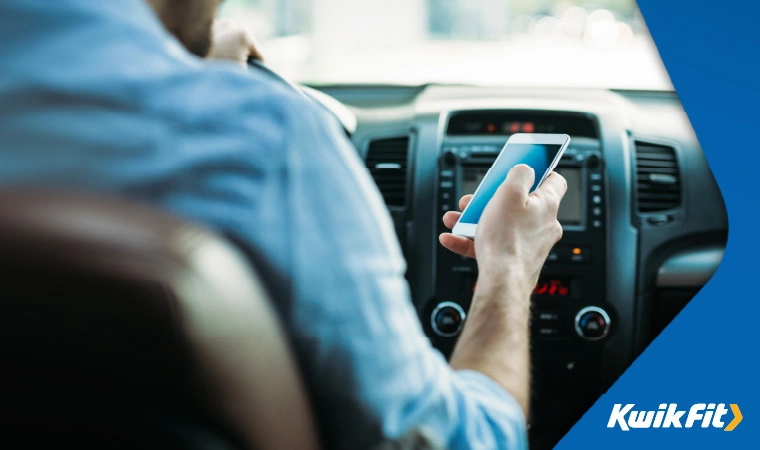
(387, 161)
(658, 182)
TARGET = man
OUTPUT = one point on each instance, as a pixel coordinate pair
(98, 96)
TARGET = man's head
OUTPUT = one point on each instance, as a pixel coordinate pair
(190, 21)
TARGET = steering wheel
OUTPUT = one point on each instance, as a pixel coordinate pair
(341, 112)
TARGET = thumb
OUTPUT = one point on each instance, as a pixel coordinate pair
(518, 183)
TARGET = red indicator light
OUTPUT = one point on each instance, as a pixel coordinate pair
(491, 128)
(528, 127)
(514, 127)
(552, 288)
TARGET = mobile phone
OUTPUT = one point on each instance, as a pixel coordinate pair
(539, 151)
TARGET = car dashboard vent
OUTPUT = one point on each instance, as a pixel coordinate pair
(388, 163)
(658, 181)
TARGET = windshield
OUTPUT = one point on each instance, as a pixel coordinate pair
(557, 43)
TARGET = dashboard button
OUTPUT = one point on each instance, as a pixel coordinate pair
(593, 161)
(549, 323)
(447, 319)
(580, 254)
(592, 323)
(548, 331)
(596, 199)
(450, 157)
(597, 211)
(596, 176)
(547, 316)
(571, 254)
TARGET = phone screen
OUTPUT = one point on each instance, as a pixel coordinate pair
(537, 156)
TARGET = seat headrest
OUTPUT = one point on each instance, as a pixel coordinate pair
(118, 319)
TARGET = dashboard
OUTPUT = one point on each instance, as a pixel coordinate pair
(644, 222)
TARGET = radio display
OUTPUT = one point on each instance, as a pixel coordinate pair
(571, 207)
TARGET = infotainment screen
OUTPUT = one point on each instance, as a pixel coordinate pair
(571, 208)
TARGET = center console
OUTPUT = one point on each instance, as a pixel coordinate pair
(571, 316)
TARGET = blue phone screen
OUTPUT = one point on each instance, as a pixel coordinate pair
(537, 156)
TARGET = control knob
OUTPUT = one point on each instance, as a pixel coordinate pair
(447, 319)
(592, 323)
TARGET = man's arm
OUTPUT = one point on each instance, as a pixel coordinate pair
(514, 237)
(495, 338)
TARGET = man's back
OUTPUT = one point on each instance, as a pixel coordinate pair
(95, 95)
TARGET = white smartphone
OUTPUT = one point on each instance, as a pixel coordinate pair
(539, 151)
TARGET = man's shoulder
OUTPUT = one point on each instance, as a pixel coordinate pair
(220, 97)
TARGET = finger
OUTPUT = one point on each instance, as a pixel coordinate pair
(555, 186)
(464, 201)
(458, 244)
(451, 218)
(519, 181)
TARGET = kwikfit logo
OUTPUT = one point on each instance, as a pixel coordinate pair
(704, 415)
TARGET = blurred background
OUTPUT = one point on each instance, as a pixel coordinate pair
(564, 43)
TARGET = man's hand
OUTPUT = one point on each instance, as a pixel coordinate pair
(233, 42)
(516, 228)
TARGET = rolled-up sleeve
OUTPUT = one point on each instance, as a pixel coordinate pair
(493, 418)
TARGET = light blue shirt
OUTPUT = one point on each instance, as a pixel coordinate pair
(96, 95)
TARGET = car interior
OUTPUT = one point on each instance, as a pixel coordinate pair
(644, 223)
(645, 227)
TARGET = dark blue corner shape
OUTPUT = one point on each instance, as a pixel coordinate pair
(711, 351)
